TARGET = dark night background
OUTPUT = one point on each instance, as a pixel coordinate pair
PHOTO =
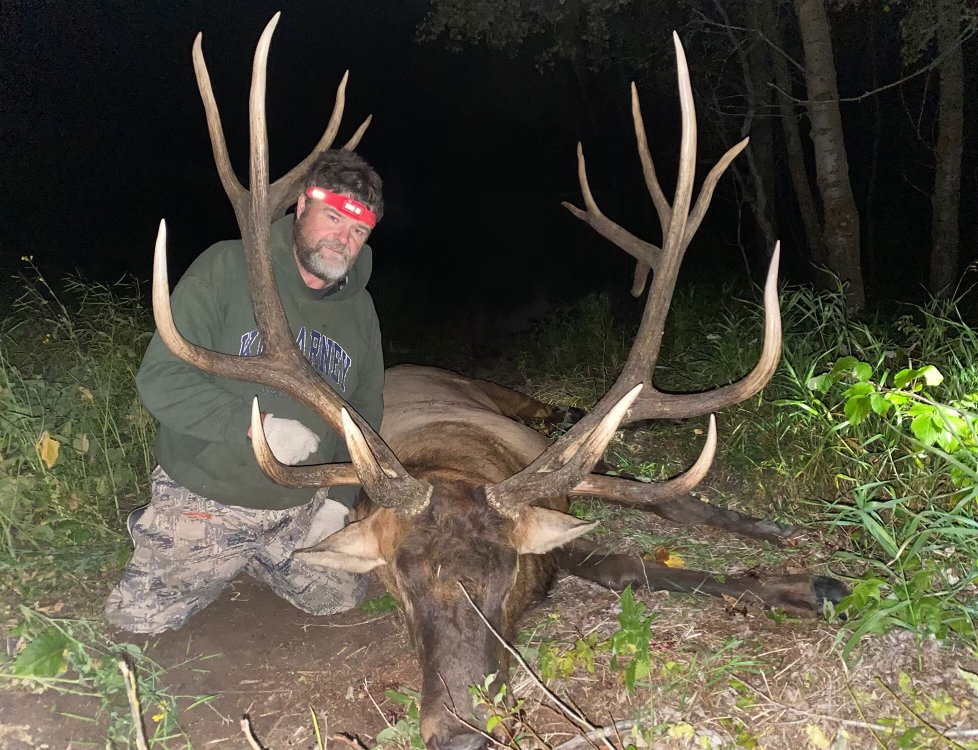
(103, 134)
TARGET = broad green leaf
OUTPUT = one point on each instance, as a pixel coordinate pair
(845, 364)
(931, 375)
(879, 404)
(859, 389)
(903, 377)
(857, 409)
(924, 430)
(821, 383)
(862, 371)
(44, 656)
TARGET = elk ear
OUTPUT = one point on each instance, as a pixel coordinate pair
(540, 530)
(354, 548)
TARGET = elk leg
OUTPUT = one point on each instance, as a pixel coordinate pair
(692, 512)
(516, 405)
(798, 594)
(684, 509)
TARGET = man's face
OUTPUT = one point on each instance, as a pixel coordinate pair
(326, 241)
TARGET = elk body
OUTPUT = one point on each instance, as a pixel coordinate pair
(459, 500)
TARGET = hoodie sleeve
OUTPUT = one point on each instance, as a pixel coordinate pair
(185, 399)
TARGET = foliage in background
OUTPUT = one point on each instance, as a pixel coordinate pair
(867, 428)
(75, 443)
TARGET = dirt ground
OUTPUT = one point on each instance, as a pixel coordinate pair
(722, 675)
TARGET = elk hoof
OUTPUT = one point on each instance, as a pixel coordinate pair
(827, 589)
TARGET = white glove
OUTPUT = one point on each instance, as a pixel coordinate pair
(329, 519)
(290, 440)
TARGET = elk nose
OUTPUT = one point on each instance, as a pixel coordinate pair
(467, 741)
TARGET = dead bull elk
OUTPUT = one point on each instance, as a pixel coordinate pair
(455, 492)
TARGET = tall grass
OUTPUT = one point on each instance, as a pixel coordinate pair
(75, 444)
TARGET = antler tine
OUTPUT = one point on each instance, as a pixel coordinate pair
(355, 138)
(650, 493)
(537, 481)
(391, 485)
(195, 355)
(295, 476)
(644, 253)
(675, 405)
(286, 189)
(228, 179)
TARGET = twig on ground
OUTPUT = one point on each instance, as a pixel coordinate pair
(603, 733)
(476, 729)
(367, 691)
(134, 708)
(567, 710)
(354, 742)
(917, 716)
(813, 715)
(862, 716)
(249, 734)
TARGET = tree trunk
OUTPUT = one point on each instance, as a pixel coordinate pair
(947, 178)
(817, 255)
(869, 204)
(761, 155)
(758, 188)
(841, 225)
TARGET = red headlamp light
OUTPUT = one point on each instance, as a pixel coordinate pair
(344, 204)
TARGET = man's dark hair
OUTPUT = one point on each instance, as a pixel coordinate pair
(348, 173)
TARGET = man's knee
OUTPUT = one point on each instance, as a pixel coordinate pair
(140, 609)
(325, 592)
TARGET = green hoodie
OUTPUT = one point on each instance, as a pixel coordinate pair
(202, 441)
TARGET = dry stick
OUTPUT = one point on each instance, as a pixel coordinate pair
(813, 715)
(917, 716)
(862, 716)
(133, 697)
(567, 710)
(603, 733)
(476, 729)
(370, 696)
(575, 716)
(354, 742)
(249, 734)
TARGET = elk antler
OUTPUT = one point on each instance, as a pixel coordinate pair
(281, 364)
(679, 224)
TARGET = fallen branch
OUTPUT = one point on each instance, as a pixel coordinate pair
(134, 707)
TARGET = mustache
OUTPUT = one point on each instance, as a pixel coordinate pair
(334, 245)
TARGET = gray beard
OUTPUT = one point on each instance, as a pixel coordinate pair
(320, 262)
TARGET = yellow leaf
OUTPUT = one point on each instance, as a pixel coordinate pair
(86, 394)
(665, 557)
(47, 448)
(817, 737)
(682, 731)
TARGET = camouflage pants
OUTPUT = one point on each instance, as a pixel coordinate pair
(189, 548)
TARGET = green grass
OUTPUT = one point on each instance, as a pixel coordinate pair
(75, 443)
